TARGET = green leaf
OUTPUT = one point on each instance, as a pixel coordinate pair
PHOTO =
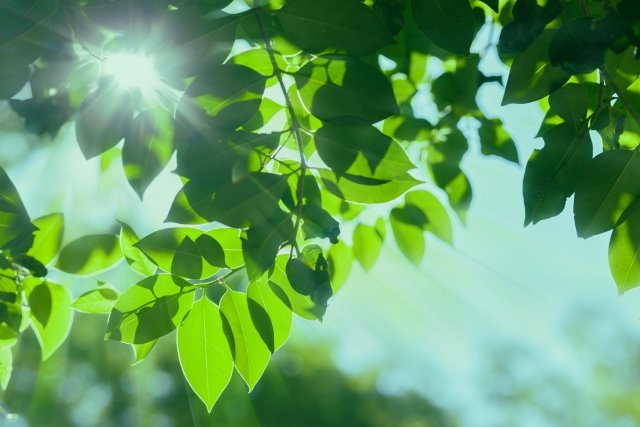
(90, 254)
(335, 86)
(624, 252)
(391, 13)
(51, 314)
(366, 191)
(192, 204)
(250, 353)
(579, 46)
(135, 258)
(532, 77)
(302, 305)
(262, 243)
(48, 237)
(570, 102)
(205, 355)
(147, 147)
(345, 25)
(6, 367)
(25, 32)
(438, 221)
(319, 223)
(103, 119)
(607, 186)
(340, 261)
(150, 309)
(141, 351)
(623, 68)
(367, 244)
(309, 275)
(197, 38)
(225, 97)
(174, 250)
(213, 157)
(494, 140)
(355, 147)
(12, 81)
(447, 23)
(409, 238)
(259, 60)
(460, 193)
(271, 316)
(229, 239)
(99, 301)
(552, 172)
(610, 125)
(15, 225)
(249, 201)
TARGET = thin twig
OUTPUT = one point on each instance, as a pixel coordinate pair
(294, 119)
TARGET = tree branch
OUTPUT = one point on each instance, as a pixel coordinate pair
(294, 119)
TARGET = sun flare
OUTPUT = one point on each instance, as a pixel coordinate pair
(132, 71)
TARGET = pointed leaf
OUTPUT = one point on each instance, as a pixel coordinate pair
(99, 301)
(250, 353)
(90, 254)
(367, 244)
(48, 238)
(205, 355)
(276, 326)
(135, 258)
(409, 238)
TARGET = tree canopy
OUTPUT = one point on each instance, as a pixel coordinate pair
(287, 119)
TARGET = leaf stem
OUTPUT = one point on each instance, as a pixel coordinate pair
(294, 119)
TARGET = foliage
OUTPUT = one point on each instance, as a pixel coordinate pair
(286, 120)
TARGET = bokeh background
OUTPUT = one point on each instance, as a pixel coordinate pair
(510, 326)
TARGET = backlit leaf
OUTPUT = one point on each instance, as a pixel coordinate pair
(90, 254)
(274, 328)
(135, 258)
(100, 300)
(48, 237)
(205, 355)
(367, 244)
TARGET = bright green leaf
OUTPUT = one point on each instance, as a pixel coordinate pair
(274, 328)
(135, 258)
(99, 301)
(367, 244)
(90, 254)
(48, 238)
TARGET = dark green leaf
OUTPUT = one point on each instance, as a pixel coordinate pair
(150, 309)
(249, 201)
(392, 14)
(147, 147)
(578, 47)
(447, 23)
(16, 225)
(345, 25)
(607, 186)
(103, 119)
(530, 18)
(25, 31)
(90, 254)
(334, 86)
(263, 242)
(494, 140)
(300, 304)
(493, 4)
(33, 265)
(570, 102)
(610, 125)
(192, 204)
(12, 81)
(225, 97)
(552, 172)
(354, 147)
(319, 223)
(532, 77)
(623, 68)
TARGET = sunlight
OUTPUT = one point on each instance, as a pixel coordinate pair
(132, 71)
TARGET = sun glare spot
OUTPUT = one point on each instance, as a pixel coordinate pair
(132, 71)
